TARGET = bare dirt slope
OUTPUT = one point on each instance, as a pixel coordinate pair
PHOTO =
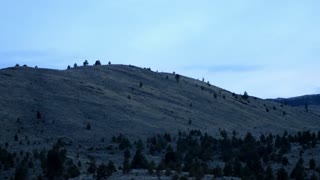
(110, 100)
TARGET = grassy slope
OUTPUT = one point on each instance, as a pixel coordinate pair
(69, 99)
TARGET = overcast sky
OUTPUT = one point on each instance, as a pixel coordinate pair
(267, 48)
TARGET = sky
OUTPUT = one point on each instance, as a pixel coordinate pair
(268, 48)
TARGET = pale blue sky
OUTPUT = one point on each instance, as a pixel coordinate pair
(267, 48)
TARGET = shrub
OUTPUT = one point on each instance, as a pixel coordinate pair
(72, 170)
(38, 115)
(68, 67)
(102, 171)
(306, 108)
(88, 126)
(92, 167)
(75, 65)
(215, 95)
(110, 168)
(85, 63)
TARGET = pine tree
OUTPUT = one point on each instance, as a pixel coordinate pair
(85, 63)
(110, 168)
(97, 63)
(269, 174)
(312, 163)
(126, 166)
(282, 174)
(227, 170)
(139, 161)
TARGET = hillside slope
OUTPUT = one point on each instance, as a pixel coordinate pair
(300, 100)
(46, 104)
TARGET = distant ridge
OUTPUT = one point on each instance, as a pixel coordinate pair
(300, 100)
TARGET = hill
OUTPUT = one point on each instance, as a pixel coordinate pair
(86, 106)
(310, 103)
(300, 100)
(110, 99)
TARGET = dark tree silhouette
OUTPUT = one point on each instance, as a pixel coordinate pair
(177, 76)
(282, 174)
(98, 63)
(139, 161)
(245, 95)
